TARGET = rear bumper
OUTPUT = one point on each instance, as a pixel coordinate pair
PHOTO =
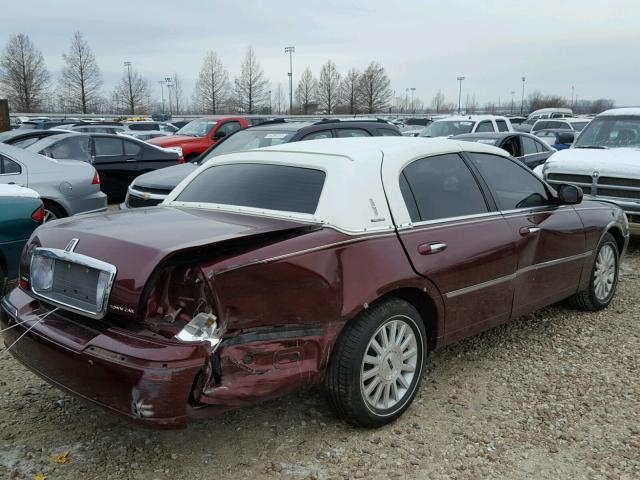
(146, 380)
(96, 202)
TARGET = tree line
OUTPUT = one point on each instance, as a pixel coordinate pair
(27, 83)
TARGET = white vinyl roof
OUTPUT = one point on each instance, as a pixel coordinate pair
(353, 198)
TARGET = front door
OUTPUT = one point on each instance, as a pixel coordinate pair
(549, 238)
(459, 242)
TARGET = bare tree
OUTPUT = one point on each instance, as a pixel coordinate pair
(81, 75)
(349, 90)
(306, 91)
(212, 86)
(132, 94)
(177, 93)
(23, 75)
(373, 88)
(251, 88)
(537, 100)
(279, 99)
(438, 102)
(328, 87)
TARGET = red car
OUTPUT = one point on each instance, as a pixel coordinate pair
(198, 135)
(340, 262)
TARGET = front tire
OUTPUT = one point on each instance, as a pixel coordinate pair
(52, 212)
(604, 278)
(377, 364)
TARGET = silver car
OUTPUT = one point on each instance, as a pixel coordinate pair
(66, 187)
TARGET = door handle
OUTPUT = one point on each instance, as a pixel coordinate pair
(524, 231)
(429, 248)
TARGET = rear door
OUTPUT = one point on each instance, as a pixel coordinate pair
(116, 168)
(549, 238)
(459, 241)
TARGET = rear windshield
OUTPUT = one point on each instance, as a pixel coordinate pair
(255, 185)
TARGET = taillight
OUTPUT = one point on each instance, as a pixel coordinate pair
(96, 179)
(23, 284)
(180, 159)
(38, 215)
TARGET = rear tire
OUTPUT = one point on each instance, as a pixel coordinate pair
(52, 211)
(604, 278)
(377, 364)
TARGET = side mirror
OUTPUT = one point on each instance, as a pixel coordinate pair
(219, 134)
(566, 137)
(569, 194)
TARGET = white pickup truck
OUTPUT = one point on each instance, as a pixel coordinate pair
(604, 161)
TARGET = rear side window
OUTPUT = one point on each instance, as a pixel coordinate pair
(318, 135)
(132, 149)
(106, 146)
(502, 126)
(8, 166)
(272, 187)
(441, 187)
(351, 132)
(512, 185)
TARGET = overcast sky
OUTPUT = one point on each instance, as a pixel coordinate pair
(593, 45)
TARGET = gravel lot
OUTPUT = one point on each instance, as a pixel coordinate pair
(552, 395)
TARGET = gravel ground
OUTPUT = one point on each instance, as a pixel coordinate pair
(552, 395)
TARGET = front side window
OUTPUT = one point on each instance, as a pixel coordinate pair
(529, 146)
(440, 187)
(8, 166)
(255, 185)
(513, 186)
(318, 135)
(502, 126)
(351, 132)
(106, 146)
(485, 126)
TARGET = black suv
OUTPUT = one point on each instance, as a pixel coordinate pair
(151, 188)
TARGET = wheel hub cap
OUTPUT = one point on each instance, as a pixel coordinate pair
(604, 275)
(389, 365)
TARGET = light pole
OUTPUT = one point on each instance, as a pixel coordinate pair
(270, 112)
(131, 103)
(290, 51)
(572, 94)
(413, 108)
(522, 101)
(169, 85)
(512, 100)
(406, 99)
(161, 82)
(460, 79)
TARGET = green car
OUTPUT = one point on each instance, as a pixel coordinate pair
(21, 213)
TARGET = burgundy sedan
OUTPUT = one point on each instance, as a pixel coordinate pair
(337, 262)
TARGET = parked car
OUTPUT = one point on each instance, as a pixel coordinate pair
(198, 135)
(40, 124)
(312, 263)
(457, 125)
(557, 138)
(152, 188)
(117, 158)
(180, 123)
(576, 124)
(545, 113)
(147, 125)
(24, 138)
(525, 147)
(66, 187)
(21, 213)
(604, 161)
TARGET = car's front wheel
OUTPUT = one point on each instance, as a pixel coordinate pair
(377, 364)
(604, 278)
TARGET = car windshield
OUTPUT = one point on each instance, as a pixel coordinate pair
(611, 132)
(250, 139)
(197, 128)
(444, 128)
(254, 185)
